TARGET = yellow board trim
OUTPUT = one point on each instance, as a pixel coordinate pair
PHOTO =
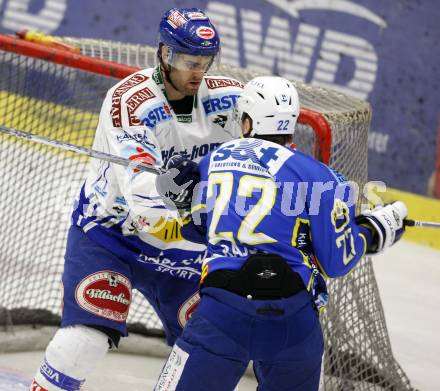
(419, 208)
(47, 119)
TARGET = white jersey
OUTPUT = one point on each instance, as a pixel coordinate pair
(119, 207)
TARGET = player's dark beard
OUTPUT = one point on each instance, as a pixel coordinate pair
(179, 85)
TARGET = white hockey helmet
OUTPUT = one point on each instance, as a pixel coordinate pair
(272, 103)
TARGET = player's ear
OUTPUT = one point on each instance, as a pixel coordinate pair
(246, 125)
(163, 50)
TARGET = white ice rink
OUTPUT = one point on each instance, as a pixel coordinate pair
(408, 276)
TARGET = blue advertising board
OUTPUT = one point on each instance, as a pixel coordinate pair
(386, 52)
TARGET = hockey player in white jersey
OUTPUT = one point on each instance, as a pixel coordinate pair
(124, 235)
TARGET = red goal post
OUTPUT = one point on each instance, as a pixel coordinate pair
(119, 71)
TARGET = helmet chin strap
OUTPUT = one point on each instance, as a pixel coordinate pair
(167, 74)
(166, 69)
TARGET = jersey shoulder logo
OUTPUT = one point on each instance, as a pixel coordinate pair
(214, 83)
(127, 85)
(133, 103)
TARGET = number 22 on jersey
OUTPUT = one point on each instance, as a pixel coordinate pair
(247, 185)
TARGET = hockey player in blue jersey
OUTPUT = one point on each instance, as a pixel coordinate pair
(123, 236)
(276, 220)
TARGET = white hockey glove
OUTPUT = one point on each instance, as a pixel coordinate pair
(387, 223)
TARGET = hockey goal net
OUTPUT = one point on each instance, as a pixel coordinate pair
(58, 93)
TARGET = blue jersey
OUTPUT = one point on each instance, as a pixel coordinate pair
(257, 196)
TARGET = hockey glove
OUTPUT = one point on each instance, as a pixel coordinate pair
(176, 186)
(387, 224)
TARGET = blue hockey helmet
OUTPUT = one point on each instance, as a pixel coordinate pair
(189, 31)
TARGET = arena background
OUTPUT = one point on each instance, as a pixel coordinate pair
(385, 52)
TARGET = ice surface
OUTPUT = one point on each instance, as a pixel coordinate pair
(409, 281)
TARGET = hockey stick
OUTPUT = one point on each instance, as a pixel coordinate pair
(82, 150)
(130, 163)
(421, 224)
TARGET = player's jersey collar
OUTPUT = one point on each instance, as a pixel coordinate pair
(158, 79)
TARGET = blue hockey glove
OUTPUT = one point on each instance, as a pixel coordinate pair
(176, 186)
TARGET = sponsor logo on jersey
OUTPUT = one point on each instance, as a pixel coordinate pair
(133, 81)
(187, 308)
(36, 387)
(243, 151)
(141, 138)
(214, 83)
(252, 153)
(59, 379)
(176, 19)
(186, 269)
(219, 103)
(301, 234)
(134, 101)
(142, 157)
(220, 120)
(156, 114)
(196, 151)
(106, 294)
(205, 32)
(184, 118)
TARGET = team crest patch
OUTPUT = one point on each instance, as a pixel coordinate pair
(187, 308)
(106, 294)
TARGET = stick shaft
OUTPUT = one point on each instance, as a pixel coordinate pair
(80, 150)
(129, 163)
(421, 224)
